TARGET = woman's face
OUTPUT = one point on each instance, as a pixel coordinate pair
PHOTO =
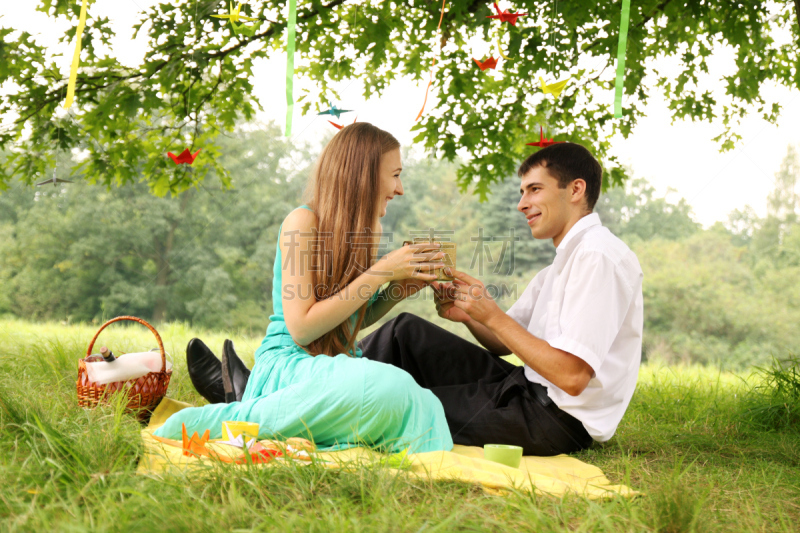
(390, 185)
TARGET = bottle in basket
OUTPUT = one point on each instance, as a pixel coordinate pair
(143, 377)
(108, 355)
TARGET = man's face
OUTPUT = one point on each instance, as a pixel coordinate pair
(547, 208)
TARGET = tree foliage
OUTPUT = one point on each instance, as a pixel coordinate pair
(82, 252)
(195, 79)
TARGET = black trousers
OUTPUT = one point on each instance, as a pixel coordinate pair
(486, 400)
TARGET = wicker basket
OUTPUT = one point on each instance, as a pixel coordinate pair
(144, 392)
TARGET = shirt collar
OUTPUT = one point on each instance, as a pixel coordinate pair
(592, 219)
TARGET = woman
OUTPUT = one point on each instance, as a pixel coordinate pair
(309, 379)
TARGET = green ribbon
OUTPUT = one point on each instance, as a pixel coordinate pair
(290, 66)
(623, 43)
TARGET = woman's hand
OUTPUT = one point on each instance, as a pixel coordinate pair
(444, 297)
(415, 261)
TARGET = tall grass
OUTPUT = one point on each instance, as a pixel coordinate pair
(689, 443)
(775, 403)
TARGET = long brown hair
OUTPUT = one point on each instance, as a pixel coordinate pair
(344, 196)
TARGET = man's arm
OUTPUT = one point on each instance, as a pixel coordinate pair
(565, 370)
(488, 339)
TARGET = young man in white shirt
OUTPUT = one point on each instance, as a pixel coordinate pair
(577, 327)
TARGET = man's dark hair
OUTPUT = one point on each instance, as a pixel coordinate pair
(567, 162)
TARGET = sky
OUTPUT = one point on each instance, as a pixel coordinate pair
(679, 156)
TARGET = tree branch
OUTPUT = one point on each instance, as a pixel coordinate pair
(797, 13)
(56, 92)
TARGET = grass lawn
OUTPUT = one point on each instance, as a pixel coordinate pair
(702, 445)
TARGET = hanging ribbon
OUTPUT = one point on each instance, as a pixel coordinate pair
(623, 43)
(499, 49)
(290, 42)
(430, 81)
(76, 58)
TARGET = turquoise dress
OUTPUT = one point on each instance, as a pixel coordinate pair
(337, 402)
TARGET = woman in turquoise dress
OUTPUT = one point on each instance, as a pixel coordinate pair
(309, 379)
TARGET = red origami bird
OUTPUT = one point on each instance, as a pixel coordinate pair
(338, 127)
(184, 157)
(543, 142)
(195, 446)
(505, 16)
(489, 63)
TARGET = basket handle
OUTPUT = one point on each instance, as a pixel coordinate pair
(140, 321)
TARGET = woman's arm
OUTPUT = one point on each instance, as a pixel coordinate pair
(308, 319)
(382, 305)
(397, 291)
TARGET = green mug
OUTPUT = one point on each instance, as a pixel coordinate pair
(505, 454)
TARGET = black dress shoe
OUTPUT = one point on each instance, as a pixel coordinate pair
(234, 373)
(205, 371)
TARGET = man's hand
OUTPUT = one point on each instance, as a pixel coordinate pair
(444, 296)
(472, 297)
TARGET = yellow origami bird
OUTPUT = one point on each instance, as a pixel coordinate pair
(233, 14)
(554, 88)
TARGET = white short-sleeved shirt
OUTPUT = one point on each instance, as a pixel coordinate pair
(589, 303)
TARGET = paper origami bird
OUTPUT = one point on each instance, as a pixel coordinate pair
(185, 157)
(233, 14)
(505, 16)
(54, 180)
(258, 454)
(489, 63)
(196, 445)
(554, 88)
(543, 142)
(245, 28)
(238, 442)
(338, 126)
(233, 17)
(335, 111)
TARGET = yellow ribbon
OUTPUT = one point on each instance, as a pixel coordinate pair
(499, 49)
(76, 58)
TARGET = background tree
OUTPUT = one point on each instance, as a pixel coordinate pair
(635, 213)
(728, 295)
(82, 252)
(194, 80)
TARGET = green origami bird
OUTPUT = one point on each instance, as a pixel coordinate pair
(245, 28)
(335, 111)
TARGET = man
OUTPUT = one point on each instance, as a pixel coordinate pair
(577, 327)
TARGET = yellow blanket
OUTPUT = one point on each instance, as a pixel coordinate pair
(555, 476)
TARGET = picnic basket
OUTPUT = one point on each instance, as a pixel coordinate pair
(144, 393)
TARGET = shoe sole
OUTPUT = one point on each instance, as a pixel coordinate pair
(227, 384)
